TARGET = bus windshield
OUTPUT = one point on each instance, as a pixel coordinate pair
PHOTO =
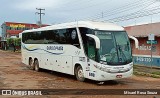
(115, 47)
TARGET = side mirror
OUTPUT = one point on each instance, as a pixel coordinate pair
(135, 40)
(20, 35)
(97, 41)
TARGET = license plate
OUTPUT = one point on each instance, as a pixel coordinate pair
(118, 76)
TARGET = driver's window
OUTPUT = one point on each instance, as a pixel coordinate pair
(91, 50)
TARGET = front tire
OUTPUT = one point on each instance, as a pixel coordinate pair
(31, 65)
(36, 64)
(79, 74)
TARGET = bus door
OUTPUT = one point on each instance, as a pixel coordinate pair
(91, 49)
(91, 53)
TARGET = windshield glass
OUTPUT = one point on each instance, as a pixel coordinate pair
(115, 47)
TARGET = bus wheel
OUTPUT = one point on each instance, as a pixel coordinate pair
(31, 65)
(79, 74)
(36, 64)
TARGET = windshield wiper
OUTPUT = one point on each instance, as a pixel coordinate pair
(121, 52)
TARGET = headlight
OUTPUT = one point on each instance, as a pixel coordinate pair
(102, 62)
(102, 68)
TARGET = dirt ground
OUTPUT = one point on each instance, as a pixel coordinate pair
(15, 75)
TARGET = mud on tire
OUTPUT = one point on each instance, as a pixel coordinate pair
(79, 74)
(31, 64)
(36, 65)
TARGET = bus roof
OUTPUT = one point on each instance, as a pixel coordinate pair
(87, 24)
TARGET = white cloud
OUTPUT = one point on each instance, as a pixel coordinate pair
(71, 10)
(32, 4)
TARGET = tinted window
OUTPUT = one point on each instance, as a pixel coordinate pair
(49, 37)
(85, 40)
(73, 37)
(61, 36)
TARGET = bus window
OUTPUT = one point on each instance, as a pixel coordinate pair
(91, 48)
(73, 37)
(62, 37)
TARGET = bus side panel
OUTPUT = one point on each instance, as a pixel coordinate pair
(24, 57)
(81, 61)
(46, 62)
(66, 64)
(57, 63)
(52, 60)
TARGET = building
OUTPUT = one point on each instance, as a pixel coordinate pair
(12, 29)
(142, 54)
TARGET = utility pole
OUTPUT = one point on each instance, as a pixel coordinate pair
(40, 15)
(102, 14)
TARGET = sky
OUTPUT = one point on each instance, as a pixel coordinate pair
(121, 12)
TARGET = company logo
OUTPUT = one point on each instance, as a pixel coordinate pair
(6, 92)
(21, 92)
(55, 48)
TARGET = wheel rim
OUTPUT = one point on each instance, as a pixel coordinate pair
(31, 64)
(36, 65)
(80, 73)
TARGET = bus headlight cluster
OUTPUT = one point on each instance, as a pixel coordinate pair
(109, 70)
(105, 69)
(131, 66)
(102, 62)
(102, 68)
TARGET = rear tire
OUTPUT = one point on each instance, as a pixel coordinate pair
(79, 74)
(31, 65)
(36, 64)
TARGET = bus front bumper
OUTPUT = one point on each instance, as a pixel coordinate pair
(104, 76)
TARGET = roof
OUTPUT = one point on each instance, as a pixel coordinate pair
(144, 30)
(88, 24)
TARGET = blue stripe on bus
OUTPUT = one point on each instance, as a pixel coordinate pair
(40, 49)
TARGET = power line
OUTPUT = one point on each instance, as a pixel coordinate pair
(145, 5)
(141, 13)
(110, 10)
(128, 7)
(136, 15)
(124, 8)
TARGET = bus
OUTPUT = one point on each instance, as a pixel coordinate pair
(89, 50)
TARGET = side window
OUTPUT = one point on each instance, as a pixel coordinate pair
(55, 37)
(49, 37)
(62, 36)
(72, 37)
(26, 38)
(8, 28)
(91, 50)
(31, 38)
(36, 38)
(45, 37)
(87, 43)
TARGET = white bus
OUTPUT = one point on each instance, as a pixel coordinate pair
(94, 50)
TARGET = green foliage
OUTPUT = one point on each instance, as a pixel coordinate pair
(9, 41)
(156, 72)
(16, 41)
